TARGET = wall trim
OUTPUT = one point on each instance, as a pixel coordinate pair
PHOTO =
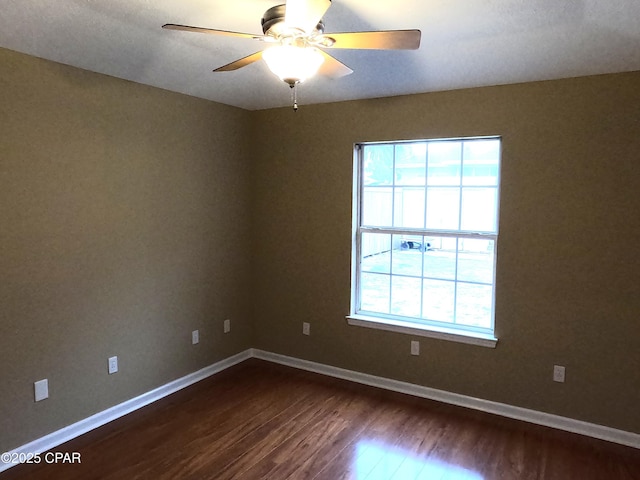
(77, 429)
(518, 413)
(74, 430)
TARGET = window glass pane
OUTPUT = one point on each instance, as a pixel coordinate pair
(375, 253)
(440, 258)
(411, 164)
(475, 260)
(375, 293)
(480, 162)
(444, 162)
(409, 207)
(407, 255)
(377, 204)
(430, 197)
(443, 208)
(479, 208)
(437, 300)
(378, 165)
(474, 305)
(405, 296)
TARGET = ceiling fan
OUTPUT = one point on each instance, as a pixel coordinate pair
(295, 36)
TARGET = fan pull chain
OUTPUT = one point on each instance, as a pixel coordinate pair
(294, 96)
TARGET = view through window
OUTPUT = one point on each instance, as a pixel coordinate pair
(426, 232)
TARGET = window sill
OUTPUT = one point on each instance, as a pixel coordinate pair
(409, 328)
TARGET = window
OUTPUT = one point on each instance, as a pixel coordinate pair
(426, 230)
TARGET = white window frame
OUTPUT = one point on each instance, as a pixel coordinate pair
(389, 322)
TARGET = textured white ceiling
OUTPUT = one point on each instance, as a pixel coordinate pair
(465, 43)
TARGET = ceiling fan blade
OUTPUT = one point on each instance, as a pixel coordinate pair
(305, 14)
(243, 62)
(187, 28)
(385, 40)
(332, 67)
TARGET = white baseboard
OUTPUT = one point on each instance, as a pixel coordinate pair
(83, 426)
(70, 432)
(532, 416)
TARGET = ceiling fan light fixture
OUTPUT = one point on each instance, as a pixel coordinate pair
(293, 64)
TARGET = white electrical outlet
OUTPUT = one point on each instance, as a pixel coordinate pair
(195, 337)
(306, 328)
(113, 365)
(415, 347)
(41, 389)
(558, 373)
(227, 326)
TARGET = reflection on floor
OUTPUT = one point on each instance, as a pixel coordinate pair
(375, 460)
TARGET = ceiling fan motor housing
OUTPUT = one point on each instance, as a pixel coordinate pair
(273, 21)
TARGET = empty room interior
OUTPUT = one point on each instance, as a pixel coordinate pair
(174, 240)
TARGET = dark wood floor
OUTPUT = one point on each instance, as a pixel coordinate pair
(263, 421)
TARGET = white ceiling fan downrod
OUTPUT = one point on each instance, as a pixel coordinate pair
(294, 95)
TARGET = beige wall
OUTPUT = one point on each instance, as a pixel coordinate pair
(124, 225)
(568, 274)
(130, 216)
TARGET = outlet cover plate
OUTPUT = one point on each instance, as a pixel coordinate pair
(41, 389)
(558, 373)
(113, 365)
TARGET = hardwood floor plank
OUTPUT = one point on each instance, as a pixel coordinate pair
(253, 448)
(258, 420)
(323, 437)
(347, 448)
(216, 432)
(394, 434)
